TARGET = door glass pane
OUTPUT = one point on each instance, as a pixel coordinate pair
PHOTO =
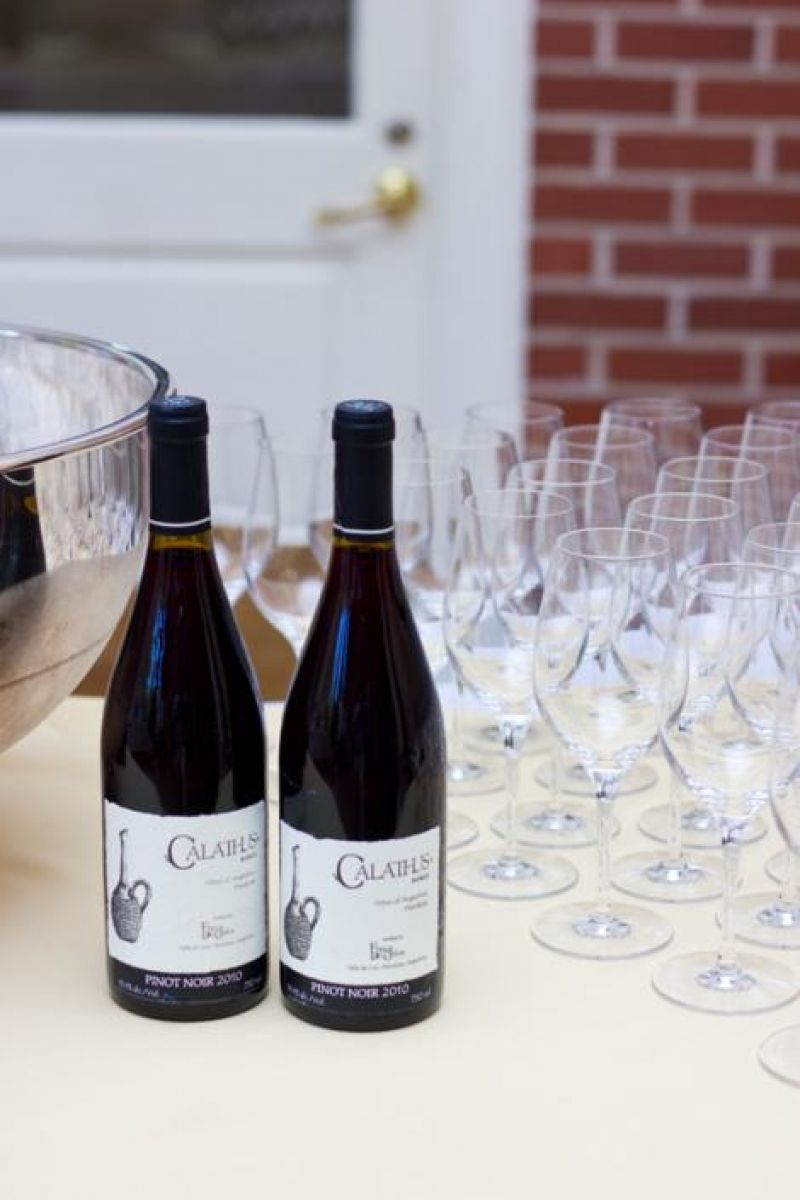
(235, 57)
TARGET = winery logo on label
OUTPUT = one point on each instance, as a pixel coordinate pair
(127, 908)
(353, 870)
(298, 924)
(185, 851)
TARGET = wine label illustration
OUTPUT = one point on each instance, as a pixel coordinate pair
(127, 907)
(298, 924)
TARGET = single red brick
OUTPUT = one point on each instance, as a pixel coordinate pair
(691, 152)
(685, 40)
(786, 262)
(788, 154)
(745, 313)
(563, 148)
(596, 310)
(783, 369)
(659, 364)
(787, 44)
(601, 202)
(560, 256)
(748, 98)
(603, 93)
(759, 207)
(564, 39)
(681, 259)
(556, 362)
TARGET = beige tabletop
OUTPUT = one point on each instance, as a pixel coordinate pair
(540, 1076)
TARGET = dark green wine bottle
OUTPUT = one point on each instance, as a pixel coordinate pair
(183, 760)
(21, 547)
(362, 761)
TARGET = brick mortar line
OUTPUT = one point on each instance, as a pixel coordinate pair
(647, 69)
(654, 123)
(655, 287)
(661, 178)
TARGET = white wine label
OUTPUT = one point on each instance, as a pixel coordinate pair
(185, 895)
(359, 914)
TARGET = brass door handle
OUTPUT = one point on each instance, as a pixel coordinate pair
(395, 197)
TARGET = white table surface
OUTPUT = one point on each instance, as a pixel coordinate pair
(540, 1076)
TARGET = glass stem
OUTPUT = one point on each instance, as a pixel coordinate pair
(790, 888)
(455, 752)
(512, 739)
(726, 960)
(557, 784)
(605, 800)
(675, 831)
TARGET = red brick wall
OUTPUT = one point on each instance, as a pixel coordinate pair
(665, 252)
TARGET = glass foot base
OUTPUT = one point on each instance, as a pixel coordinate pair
(777, 867)
(764, 920)
(698, 830)
(654, 877)
(623, 931)
(465, 778)
(697, 981)
(461, 830)
(780, 1054)
(500, 877)
(576, 783)
(543, 824)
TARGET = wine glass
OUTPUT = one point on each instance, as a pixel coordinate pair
(486, 455)
(774, 446)
(628, 450)
(427, 496)
(766, 919)
(600, 647)
(239, 461)
(780, 1052)
(738, 479)
(775, 412)
(733, 650)
(494, 592)
(530, 425)
(591, 489)
(676, 425)
(287, 586)
(699, 529)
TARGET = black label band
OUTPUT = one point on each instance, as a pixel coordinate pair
(354, 999)
(165, 987)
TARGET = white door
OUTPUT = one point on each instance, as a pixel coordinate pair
(194, 237)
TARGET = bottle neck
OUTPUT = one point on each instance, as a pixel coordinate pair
(179, 497)
(362, 483)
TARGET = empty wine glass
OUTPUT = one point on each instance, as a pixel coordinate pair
(600, 646)
(737, 479)
(676, 425)
(700, 529)
(531, 425)
(486, 455)
(239, 462)
(774, 446)
(561, 818)
(492, 604)
(780, 1052)
(427, 496)
(628, 450)
(767, 919)
(775, 412)
(287, 586)
(732, 652)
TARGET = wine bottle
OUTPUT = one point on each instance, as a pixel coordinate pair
(21, 547)
(183, 759)
(362, 762)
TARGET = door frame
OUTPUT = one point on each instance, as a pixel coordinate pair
(481, 204)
